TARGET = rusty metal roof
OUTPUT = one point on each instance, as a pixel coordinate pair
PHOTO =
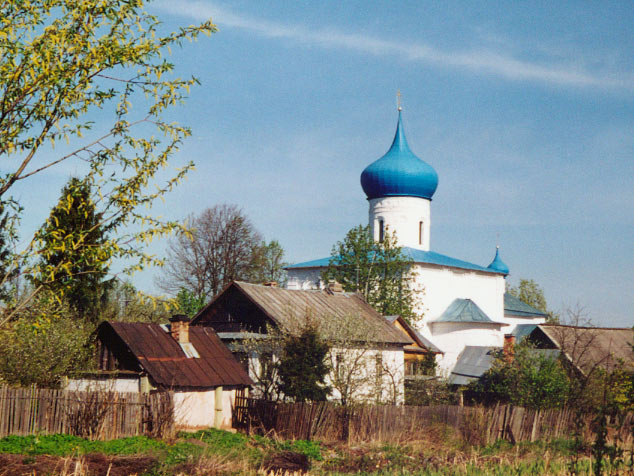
(289, 308)
(589, 348)
(158, 353)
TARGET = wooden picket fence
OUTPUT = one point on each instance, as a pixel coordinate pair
(95, 415)
(327, 421)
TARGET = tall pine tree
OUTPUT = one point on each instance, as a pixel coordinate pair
(73, 263)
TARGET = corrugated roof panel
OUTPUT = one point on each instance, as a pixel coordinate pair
(286, 306)
(166, 363)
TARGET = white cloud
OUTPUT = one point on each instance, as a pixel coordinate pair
(479, 61)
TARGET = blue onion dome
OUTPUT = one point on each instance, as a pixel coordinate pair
(497, 264)
(399, 172)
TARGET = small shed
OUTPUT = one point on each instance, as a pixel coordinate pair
(190, 361)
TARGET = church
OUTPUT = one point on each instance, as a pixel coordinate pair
(463, 304)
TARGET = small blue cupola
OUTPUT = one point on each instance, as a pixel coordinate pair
(399, 173)
(497, 264)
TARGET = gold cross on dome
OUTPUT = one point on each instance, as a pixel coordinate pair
(398, 100)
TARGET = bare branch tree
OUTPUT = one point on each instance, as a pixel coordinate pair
(222, 246)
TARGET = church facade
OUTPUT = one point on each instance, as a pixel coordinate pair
(462, 303)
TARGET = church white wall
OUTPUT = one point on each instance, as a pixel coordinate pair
(453, 337)
(304, 278)
(443, 285)
(402, 215)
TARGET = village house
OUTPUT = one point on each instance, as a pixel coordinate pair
(191, 362)
(365, 348)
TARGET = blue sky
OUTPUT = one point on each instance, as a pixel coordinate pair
(525, 109)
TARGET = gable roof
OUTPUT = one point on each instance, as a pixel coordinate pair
(417, 256)
(288, 308)
(513, 306)
(592, 347)
(465, 310)
(158, 353)
(416, 336)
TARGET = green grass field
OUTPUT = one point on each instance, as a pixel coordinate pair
(215, 452)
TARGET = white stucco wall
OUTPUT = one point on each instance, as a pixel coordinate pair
(119, 384)
(452, 338)
(197, 409)
(442, 285)
(367, 388)
(402, 216)
(304, 278)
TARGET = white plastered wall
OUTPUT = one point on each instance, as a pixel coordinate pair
(403, 216)
(366, 390)
(452, 337)
(442, 285)
(122, 385)
(197, 409)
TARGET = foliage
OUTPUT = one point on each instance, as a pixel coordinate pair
(430, 392)
(302, 368)
(73, 271)
(268, 264)
(529, 378)
(531, 293)
(380, 271)
(126, 304)
(7, 239)
(188, 303)
(43, 345)
(221, 246)
(358, 373)
(260, 354)
(62, 63)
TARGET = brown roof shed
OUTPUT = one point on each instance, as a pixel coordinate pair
(149, 347)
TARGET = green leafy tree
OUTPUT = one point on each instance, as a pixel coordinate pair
(380, 271)
(302, 368)
(64, 63)
(43, 344)
(528, 378)
(531, 293)
(126, 304)
(74, 261)
(188, 303)
(268, 263)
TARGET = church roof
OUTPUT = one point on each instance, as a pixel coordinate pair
(399, 172)
(515, 307)
(417, 256)
(464, 310)
(497, 264)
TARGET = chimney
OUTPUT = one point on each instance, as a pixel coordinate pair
(509, 344)
(335, 287)
(271, 284)
(179, 328)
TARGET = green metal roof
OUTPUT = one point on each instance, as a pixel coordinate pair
(464, 310)
(513, 306)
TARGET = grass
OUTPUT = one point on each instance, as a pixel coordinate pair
(217, 452)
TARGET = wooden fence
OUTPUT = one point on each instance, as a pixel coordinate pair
(327, 421)
(95, 415)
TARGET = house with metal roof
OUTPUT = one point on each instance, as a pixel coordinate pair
(245, 312)
(399, 187)
(192, 362)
